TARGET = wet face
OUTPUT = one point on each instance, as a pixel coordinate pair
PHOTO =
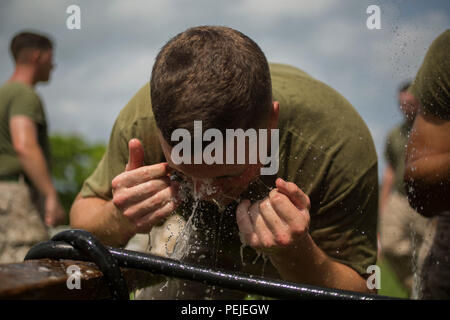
(220, 182)
(408, 105)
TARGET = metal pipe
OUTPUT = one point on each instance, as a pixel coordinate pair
(91, 248)
(174, 268)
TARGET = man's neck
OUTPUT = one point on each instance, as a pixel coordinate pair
(25, 74)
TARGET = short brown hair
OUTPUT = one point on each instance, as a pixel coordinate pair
(28, 40)
(213, 74)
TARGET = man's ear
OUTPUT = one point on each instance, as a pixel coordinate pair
(273, 119)
(35, 55)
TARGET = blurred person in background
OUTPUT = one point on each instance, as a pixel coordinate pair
(402, 230)
(29, 202)
(427, 174)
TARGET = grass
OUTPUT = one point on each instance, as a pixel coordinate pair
(390, 285)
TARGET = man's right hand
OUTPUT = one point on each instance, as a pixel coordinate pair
(54, 212)
(144, 194)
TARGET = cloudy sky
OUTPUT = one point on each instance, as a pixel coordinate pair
(101, 66)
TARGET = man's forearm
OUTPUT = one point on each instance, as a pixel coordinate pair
(101, 218)
(310, 265)
(35, 167)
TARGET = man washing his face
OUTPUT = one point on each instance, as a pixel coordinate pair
(313, 221)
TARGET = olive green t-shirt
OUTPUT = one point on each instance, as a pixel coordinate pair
(19, 99)
(432, 83)
(325, 148)
(395, 153)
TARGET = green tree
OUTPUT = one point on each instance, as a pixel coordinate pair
(73, 160)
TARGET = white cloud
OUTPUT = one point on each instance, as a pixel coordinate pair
(268, 9)
(114, 72)
(336, 38)
(119, 10)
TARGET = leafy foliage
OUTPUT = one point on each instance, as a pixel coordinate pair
(73, 160)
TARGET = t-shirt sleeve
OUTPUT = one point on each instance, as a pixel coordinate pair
(345, 226)
(113, 163)
(432, 83)
(27, 103)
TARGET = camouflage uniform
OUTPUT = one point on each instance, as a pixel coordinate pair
(21, 221)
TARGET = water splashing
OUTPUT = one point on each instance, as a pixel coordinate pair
(416, 285)
(241, 250)
(182, 243)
